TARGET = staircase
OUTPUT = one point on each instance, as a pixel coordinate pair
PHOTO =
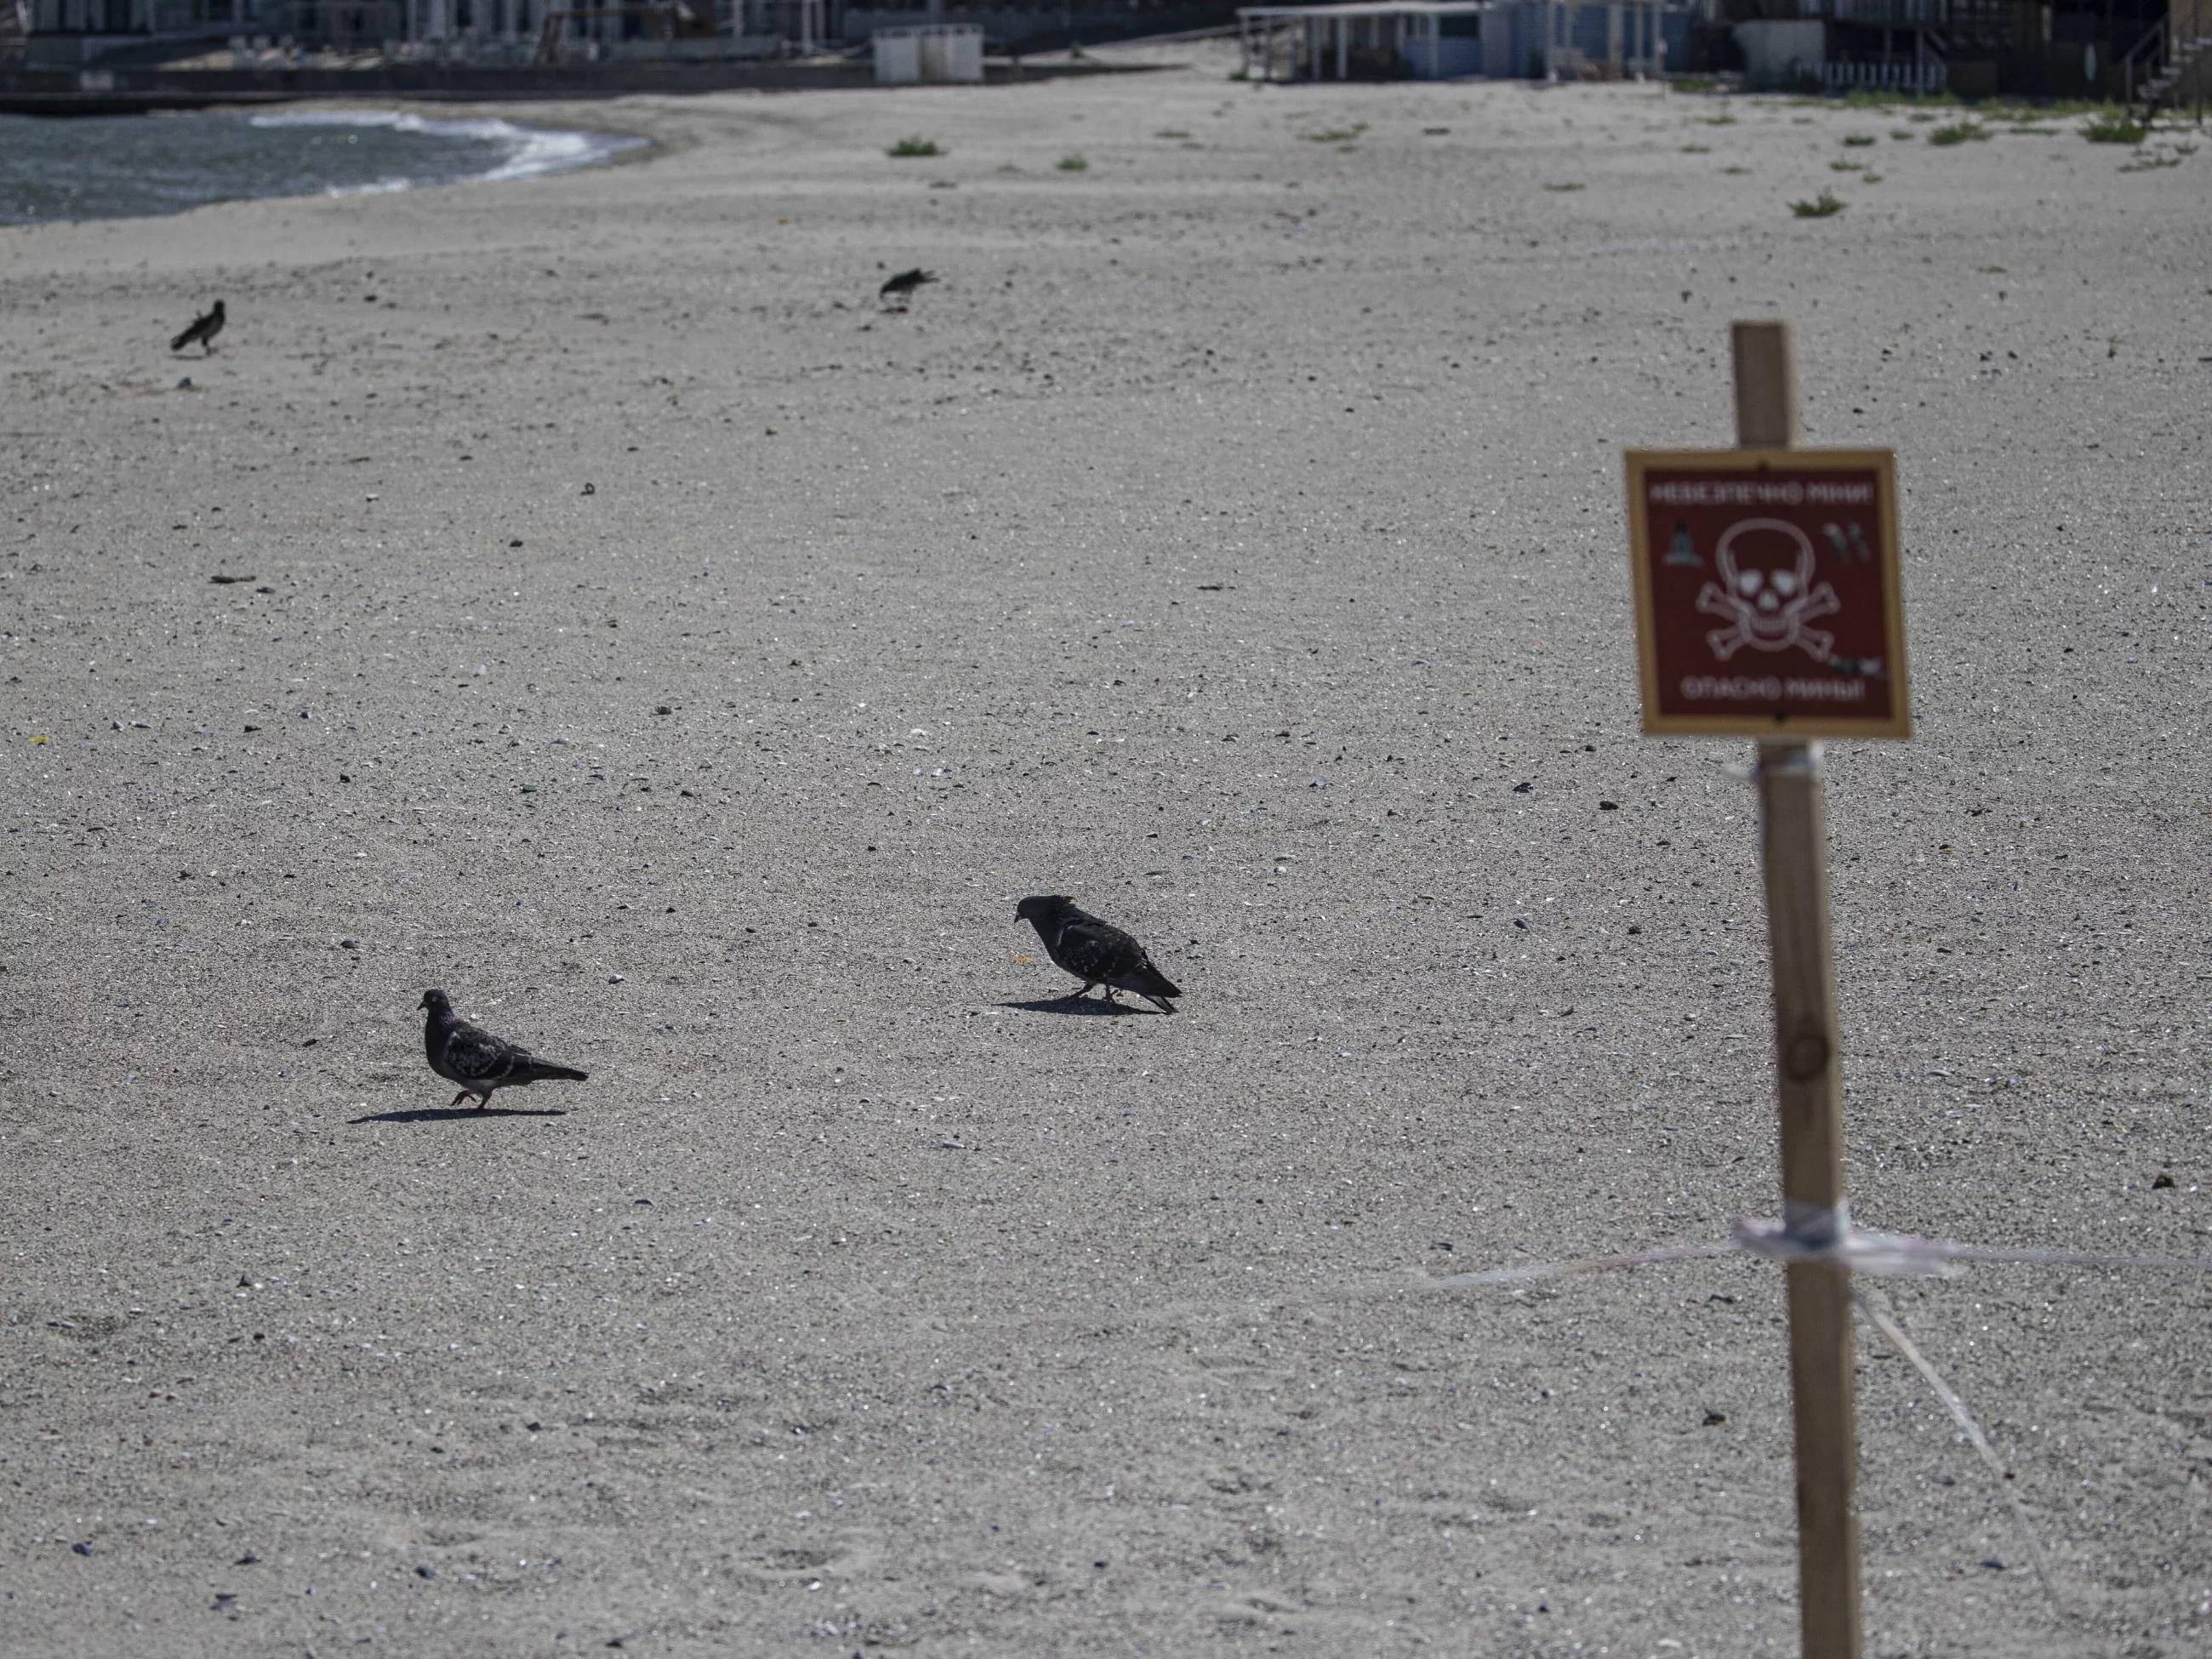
(2154, 93)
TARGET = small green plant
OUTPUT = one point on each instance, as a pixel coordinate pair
(1563, 187)
(1170, 132)
(2114, 127)
(914, 146)
(1903, 136)
(1857, 140)
(1696, 83)
(1072, 162)
(1336, 134)
(1696, 150)
(943, 183)
(1723, 119)
(1846, 166)
(1958, 132)
(1735, 169)
(1826, 205)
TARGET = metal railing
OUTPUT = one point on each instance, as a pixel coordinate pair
(1900, 74)
(2142, 60)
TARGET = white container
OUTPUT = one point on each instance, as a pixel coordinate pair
(929, 54)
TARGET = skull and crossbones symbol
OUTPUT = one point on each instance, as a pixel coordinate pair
(1769, 600)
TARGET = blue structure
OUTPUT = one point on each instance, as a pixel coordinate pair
(1447, 40)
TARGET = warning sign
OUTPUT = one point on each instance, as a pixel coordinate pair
(1767, 598)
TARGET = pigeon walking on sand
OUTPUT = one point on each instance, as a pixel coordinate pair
(202, 330)
(480, 1062)
(902, 287)
(1096, 952)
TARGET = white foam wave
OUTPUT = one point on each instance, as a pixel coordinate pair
(530, 152)
(378, 188)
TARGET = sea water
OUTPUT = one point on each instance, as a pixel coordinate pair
(132, 166)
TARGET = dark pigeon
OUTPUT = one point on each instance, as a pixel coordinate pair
(905, 283)
(480, 1062)
(1096, 952)
(201, 332)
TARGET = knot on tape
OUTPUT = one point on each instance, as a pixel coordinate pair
(1823, 1233)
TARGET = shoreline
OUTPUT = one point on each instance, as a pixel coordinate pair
(60, 95)
(202, 159)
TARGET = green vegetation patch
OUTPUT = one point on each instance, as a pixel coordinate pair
(916, 145)
(2114, 127)
(1072, 162)
(1958, 132)
(1826, 205)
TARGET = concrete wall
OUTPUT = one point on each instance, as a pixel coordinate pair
(1777, 51)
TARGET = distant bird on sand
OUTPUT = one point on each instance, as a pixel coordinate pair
(480, 1062)
(902, 287)
(1096, 952)
(204, 330)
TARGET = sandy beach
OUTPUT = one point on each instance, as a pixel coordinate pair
(582, 596)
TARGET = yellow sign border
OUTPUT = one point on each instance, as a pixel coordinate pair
(1883, 463)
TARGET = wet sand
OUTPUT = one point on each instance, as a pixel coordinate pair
(628, 627)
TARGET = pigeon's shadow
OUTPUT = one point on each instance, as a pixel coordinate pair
(457, 1114)
(1074, 1005)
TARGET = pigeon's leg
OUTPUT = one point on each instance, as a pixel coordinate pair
(1077, 995)
(1111, 998)
(458, 1098)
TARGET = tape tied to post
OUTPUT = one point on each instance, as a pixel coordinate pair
(1819, 1233)
(1824, 1234)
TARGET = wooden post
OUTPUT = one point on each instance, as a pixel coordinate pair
(1810, 1083)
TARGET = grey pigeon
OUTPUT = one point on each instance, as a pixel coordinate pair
(480, 1062)
(905, 283)
(202, 330)
(1096, 952)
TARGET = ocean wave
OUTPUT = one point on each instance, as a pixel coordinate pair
(528, 152)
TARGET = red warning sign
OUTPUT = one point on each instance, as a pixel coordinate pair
(1767, 594)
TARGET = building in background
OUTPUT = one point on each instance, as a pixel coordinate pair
(1445, 39)
(1971, 48)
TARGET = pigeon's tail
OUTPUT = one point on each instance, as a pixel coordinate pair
(1149, 981)
(185, 339)
(543, 1070)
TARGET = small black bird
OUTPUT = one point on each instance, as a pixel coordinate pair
(1096, 952)
(905, 283)
(480, 1062)
(204, 329)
